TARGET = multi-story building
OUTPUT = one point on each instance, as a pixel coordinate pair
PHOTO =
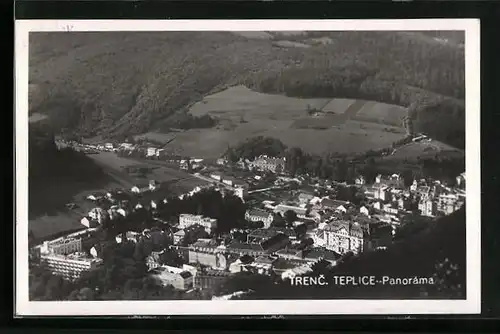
(70, 266)
(98, 214)
(210, 279)
(448, 203)
(275, 165)
(427, 207)
(62, 246)
(64, 257)
(342, 237)
(209, 253)
(186, 220)
(255, 215)
(179, 278)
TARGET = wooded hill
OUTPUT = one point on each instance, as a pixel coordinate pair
(116, 83)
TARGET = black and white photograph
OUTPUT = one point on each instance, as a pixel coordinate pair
(247, 167)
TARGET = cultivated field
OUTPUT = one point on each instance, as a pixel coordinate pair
(243, 113)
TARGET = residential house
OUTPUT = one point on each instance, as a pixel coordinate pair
(255, 215)
(360, 181)
(390, 208)
(305, 198)
(89, 222)
(228, 180)
(154, 261)
(335, 205)
(128, 236)
(96, 196)
(297, 271)
(216, 176)
(179, 236)
(221, 161)
(141, 188)
(448, 203)
(364, 210)
(98, 214)
(316, 254)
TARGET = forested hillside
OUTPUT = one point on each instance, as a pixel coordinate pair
(115, 83)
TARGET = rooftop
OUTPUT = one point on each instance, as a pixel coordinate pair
(259, 213)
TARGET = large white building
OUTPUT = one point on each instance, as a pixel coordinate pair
(342, 237)
(72, 265)
(64, 257)
(186, 220)
(61, 246)
(275, 165)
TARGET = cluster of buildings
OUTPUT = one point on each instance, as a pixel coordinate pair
(265, 163)
(325, 228)
(65, 256)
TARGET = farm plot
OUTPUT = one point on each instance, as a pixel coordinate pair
(338, 106)
(381, 113)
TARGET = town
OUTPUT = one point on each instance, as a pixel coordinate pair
(265, 220)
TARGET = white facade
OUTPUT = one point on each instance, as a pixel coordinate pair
(186, 220)
(70, 266)
(98, 214)
(62, 246)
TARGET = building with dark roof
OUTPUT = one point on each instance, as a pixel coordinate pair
(255, 215)
(343, 237)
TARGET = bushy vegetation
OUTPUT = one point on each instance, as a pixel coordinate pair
(148, 77)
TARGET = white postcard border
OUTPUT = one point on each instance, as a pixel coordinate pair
(471, 305)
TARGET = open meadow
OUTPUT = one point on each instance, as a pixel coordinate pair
(315, 125)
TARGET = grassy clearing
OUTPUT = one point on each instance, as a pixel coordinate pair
(382, 113)
(424, 149)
